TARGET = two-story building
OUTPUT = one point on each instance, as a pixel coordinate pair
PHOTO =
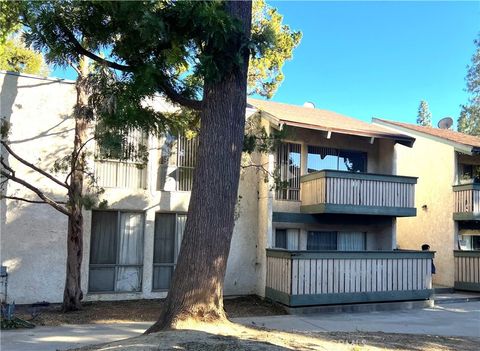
(327, 236)
(448, 201)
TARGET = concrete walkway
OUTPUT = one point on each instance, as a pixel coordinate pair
(455, 319)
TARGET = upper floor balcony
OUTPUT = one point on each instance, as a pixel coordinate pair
(466, 202)
(329, 191)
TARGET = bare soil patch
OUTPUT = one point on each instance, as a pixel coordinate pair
(234, 337)
(135, 311)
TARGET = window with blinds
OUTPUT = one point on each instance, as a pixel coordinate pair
(287, 239)
(116, 251)
(340, 241)
(288, 163)
(169, 229)
(320, 158)
(178, 157)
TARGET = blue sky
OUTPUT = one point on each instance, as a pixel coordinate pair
(378, 59)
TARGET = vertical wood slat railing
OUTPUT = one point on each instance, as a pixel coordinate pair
(118, 174)
(467, 270)
(308, 278)
(358, 189)
(466, 198)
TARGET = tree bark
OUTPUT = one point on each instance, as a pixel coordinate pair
(196, 292)
(72, 294)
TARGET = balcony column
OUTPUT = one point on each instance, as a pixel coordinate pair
(303, 159)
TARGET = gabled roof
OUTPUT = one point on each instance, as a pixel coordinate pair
(460, 141)
(313, 118)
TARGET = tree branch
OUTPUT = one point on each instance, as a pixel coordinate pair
(81, 50)
(169, 91)
(32, 166)
(28, 200)
(77, 154)
(37, 191)
(173, 95)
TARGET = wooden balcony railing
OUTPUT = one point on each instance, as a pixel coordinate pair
(466, 202)
(467, 270)
(357, 193)
(307, 278)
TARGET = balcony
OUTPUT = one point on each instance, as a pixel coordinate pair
(467, 270)
(357, 193)
(308, 278)
(466, 202)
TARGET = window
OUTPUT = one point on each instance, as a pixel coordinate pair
(288, 167)
(322, 241)
(470, 242)
(116, 251)
(320, 158)
(341, 241)
(178, 158)
(169, 229)
(468, 173)
(286, 239)
(120, 160)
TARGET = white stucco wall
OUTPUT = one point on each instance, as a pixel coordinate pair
(33, 236)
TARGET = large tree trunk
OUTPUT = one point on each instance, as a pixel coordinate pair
(72, 294)
(196, 292)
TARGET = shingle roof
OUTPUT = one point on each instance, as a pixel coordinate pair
(446, 134)
(313, 118)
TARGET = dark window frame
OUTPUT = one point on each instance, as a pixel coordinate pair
(291, 192)
(176, 248)
(337, 153)
(116, 265)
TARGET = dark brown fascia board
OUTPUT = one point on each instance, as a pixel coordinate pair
(464, 148)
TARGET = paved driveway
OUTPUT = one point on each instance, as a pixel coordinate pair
(460, 319)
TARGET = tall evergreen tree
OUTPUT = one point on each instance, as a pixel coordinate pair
(469, 119)
(424, 116)
(195, 54)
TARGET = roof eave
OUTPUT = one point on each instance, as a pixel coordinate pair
(407, 141)
(463, 148)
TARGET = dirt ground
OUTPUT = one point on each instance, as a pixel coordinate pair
(234, 337)
(135, 311)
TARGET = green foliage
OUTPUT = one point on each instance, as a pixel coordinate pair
(424, 116)
(257, 139)
(171, 48)
(9, 18)
(16, 57)
(276, 44)
(469, 119)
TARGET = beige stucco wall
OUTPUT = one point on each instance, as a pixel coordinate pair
(33, 236)
(434, 164)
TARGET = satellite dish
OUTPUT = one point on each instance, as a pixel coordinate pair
(308, 104)
(445, 123)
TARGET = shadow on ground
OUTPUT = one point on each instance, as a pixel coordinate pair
(243, 338)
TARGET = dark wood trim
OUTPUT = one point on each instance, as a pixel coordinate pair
(467, 286)
(466, 216)
(360, 210)
(471, 186)
(353, 175)
(343, 298)
(330, 219)
(466, 253)
(349, 254)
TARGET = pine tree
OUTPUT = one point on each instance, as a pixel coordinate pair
(424, 117)
(196, 54)
(469, 119)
